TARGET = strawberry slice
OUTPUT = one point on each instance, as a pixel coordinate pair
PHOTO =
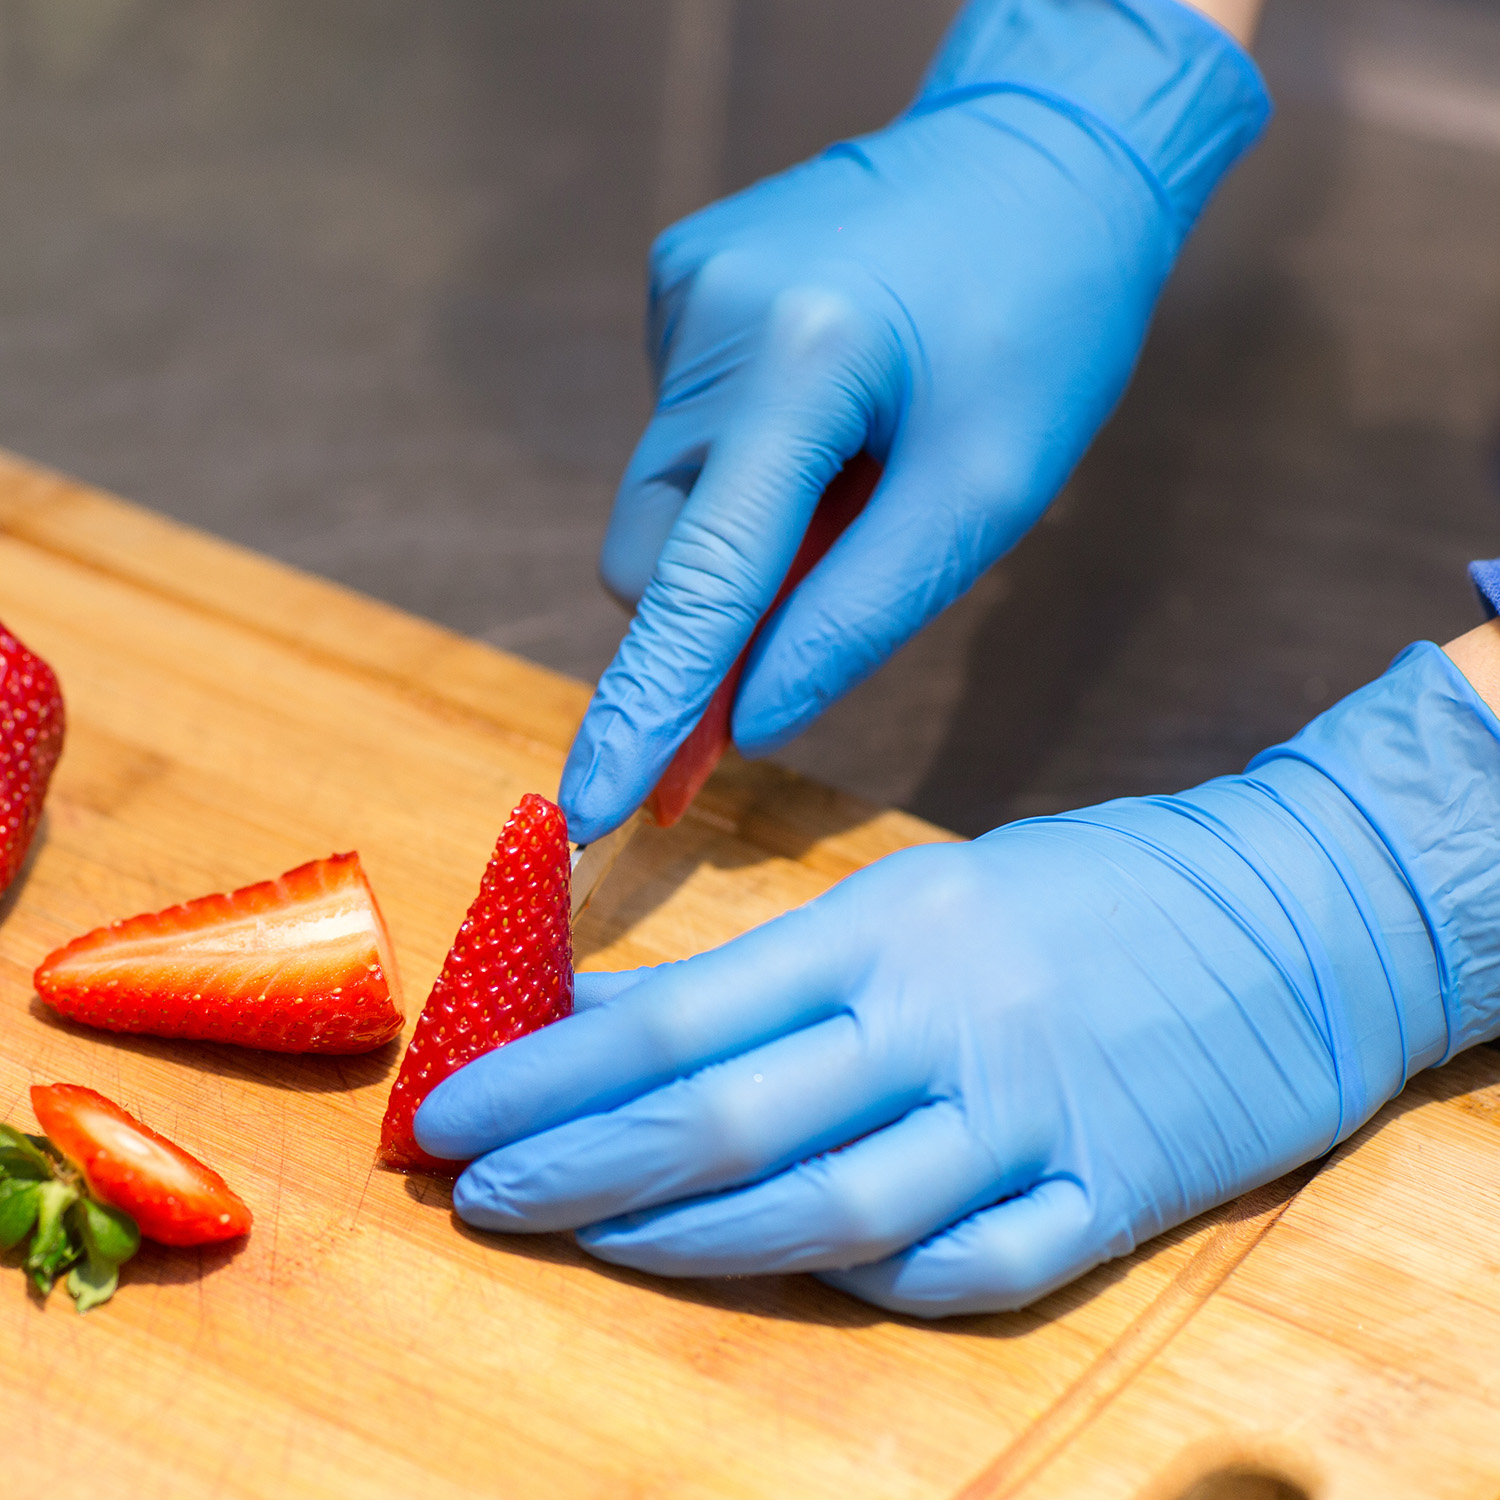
(510, 971)
(298, 964)
(173, 1198)
(31, 739)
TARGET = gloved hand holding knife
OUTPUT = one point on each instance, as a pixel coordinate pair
(962, 296)
(970, 1072)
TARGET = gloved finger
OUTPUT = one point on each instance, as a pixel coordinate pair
(733, 1123)
(856, 1205)
(662, 472)
(788, 974)
(699, 399)
(590, 990)
(939, 516)
(655, 486)
(1003, 1258)
(806, 408)
(646, 510)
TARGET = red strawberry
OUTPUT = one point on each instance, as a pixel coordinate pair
(173, 1198)
(509, 971)
(299, 964)
(31, 739)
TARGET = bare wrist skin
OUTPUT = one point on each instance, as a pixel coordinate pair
(1477, 656)
(1238, 17)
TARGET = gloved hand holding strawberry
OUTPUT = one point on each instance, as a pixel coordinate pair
(970, 1072)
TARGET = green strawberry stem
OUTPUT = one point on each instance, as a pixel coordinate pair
(42, 1194)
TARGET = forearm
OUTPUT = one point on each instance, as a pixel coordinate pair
(1238, 17)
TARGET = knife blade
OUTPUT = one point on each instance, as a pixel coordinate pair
(592, 862)
(692, 765)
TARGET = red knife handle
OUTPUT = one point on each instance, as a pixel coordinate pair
(699, 753)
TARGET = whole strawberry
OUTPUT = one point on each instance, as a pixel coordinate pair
(510, 971)
(31, 739)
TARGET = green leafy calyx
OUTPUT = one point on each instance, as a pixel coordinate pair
(43, 1195)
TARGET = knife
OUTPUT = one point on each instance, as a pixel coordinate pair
(699, 753)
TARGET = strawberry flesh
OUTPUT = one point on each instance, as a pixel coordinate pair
(298, 964)
(173, 1198)
(31, 739)
(509, 972)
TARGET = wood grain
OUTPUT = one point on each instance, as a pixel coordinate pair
(1244, 1224)
(230, 718)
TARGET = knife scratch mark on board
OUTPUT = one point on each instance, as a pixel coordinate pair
(363, 1193)
(1241, 1227)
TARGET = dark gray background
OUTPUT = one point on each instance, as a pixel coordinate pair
(358, 282)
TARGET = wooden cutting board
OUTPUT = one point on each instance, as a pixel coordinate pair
(229, 718)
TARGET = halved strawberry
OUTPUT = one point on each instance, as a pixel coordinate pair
(31, 739)
(510, 971)
(173, 1198)
(298, 964)
(84, 1192)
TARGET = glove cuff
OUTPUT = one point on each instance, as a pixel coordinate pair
(1183, 97)
(1417, 753)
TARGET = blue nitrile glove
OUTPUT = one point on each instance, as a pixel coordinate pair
(963, 294)
(1038, 1049)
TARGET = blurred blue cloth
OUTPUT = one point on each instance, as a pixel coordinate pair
(1485, 576)
(970, 1072)
(963, 294)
